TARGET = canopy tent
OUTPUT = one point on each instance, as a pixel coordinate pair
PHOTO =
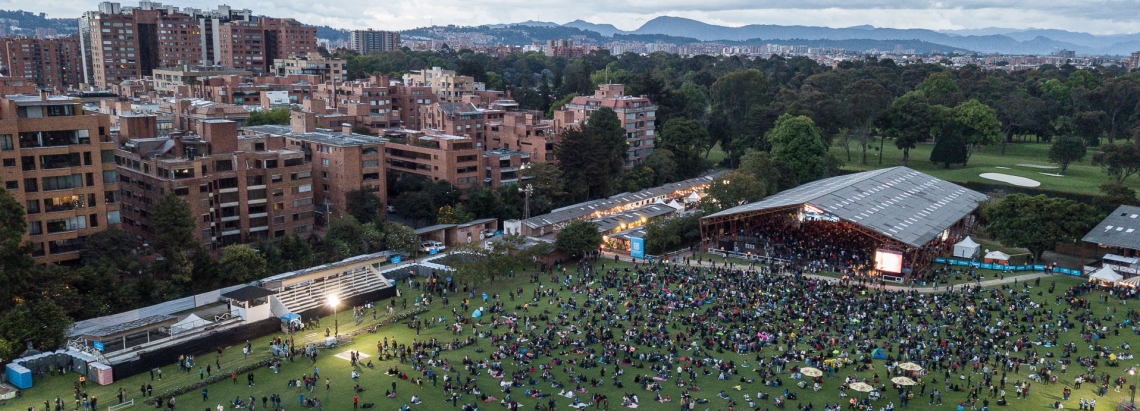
(694, 197)
(659, 201)
(1106, 274)
(189, 323)
(996, 257)
(967, 248)
(291, 318)
(1134, 281)
(676, 205)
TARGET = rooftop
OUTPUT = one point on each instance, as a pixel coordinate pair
(323, 136)
(1119, 229)
(581, 210)
(898, 202)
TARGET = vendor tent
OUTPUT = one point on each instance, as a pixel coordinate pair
(1134, 281)
(996, 257)
(189, 323)
(967, 248)
(676, 205)
(694, 198)
(291, 318)
(1106, 274)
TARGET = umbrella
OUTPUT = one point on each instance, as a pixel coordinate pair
(910, 366)
(861, 387)
(811, 371)
(902, 381)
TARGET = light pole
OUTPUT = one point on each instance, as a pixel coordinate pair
(1132, 387)
(333, 302)
(527, 191)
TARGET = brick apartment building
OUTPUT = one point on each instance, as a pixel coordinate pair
(48, 63)
(637, 116)
(312, 63)
(59, 164)
(240, 187)
(123, 43)
(447, 86)
(341, 161)
(525, 131)
(451, 158)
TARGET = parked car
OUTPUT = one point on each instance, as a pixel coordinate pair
(427, 246)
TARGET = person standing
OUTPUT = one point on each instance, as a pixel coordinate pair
(355, 401)
(205, 395)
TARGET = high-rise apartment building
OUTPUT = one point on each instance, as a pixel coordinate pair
(328, 69)
(59, 163)
(444, 83)
(367, 41)
(241, 188)
(48, 63)
(121, 43)
(637, 116)
(1134, 61)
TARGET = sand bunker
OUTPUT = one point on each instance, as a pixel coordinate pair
(1052, 174)
(1039, 166)
(1015, 180)
(1003, 168)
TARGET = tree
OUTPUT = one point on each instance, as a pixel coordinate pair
(1119, 161)
(949, 149)
(241, 264)
(772, 173)
(1067, 150)
(452, 215)
(578, 238)
(485, 203)
(364, 205)
(174, 226)
(687, 140)
(730, 190)
(1038, 223)
(735, 98)
(401, 238)
(280, 115)
(113, 245)
(978, 125)
(909, 118)
(415, 206)
(1113, 196)
(592, 157)
(864, 101)
(15, 253)
(665, 168)
(797, 142)
(40, 321)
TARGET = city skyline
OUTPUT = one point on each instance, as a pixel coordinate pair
(1102, 18)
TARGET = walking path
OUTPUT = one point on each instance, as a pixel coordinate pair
(1009, 279)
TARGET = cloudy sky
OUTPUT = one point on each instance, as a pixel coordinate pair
(1094, 16)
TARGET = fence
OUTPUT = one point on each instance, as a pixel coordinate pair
(125, 404)
(1005, 267)
(744, 256)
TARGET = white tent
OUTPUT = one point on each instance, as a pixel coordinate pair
(660, 201)
(694, 197)
(1106, 274)
(996, 255)
(676, 205)
(189, 323)
(1134, 281)
(967, 248)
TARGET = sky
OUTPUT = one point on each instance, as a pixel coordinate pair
(1091, 16)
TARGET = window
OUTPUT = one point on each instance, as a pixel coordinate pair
(63, 182)
(12, 185)
(182, 173)
(28, 163)
(305, 188)
(86, 158)
(55, 138)
(54, 161)
(371, 176)
(107, 156)
(113, 218)
(6, 142)
(325, 162)
(9, 162)
(370, 163)
(64, 203)
(30, 185)
(276, 178)
(278, 206)
(111, 197)
(67, 224)
(35, 228)
(302, 202)
(222, 165)
(179, 191)
(32, 206)
(94, 218)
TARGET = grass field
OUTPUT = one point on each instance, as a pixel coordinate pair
(338, 371)
(1082, 177)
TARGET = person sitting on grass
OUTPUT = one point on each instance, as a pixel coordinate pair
(416, 399)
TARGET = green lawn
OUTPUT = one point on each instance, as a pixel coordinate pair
(375, 381)
(716, 155)
(1082, 177)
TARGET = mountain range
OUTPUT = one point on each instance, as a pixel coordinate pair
(989, 40)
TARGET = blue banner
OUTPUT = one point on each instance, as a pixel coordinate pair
(395, 259)
(636, 247)
(98, 345)
(1002, 267)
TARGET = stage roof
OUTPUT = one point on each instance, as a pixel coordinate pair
(898, 202)
(1119, 229)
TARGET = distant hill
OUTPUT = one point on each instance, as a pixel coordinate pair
(22, 22)
(331, 34)
(607, 30)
